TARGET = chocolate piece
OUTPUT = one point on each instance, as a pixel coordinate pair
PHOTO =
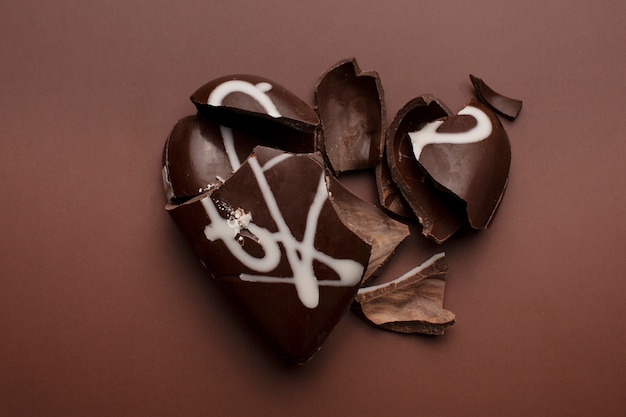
(200, 154)
(440, 213)
(263, 235)
(469, 155)
(369, 222)
(411, 303)
(195, 160)
(506, 106)
(351, 112)
(389, 196)
(233, 99)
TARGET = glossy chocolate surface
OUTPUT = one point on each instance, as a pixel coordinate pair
(476, 172)
(351, 111)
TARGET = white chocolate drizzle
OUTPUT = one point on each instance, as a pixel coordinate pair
(258, 92)
(406, 275)
(300, 254)
(428, 134)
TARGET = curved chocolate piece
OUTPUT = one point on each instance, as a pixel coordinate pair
(200, 154)
(411, 303)
(469, 155)
(389, 195)
(351, 112)
(263, 236)
(369, 222)
(440, 213)
(230, 99)
(195, 160)
(506, 106)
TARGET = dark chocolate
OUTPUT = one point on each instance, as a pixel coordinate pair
(369, 222)
(263, 236)
(199, 154)
(195, 160)
(412, 303)
(503, 105)
(471, 160)
(439, 213)
(351, 112)
(233, 99)
(389, 195)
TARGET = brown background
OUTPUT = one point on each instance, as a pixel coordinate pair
(105, 312)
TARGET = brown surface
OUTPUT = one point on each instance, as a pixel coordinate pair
(104, 311)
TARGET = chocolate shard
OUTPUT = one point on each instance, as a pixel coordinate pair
(369, 222)
(439, 212)
(389, 195)
(263, 235)
(234, 100)
(503, 105)
(411, 303)
(351, 112)
(469, 156)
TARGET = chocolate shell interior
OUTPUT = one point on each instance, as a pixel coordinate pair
(389, 195)
(440, 213)
(351, 112)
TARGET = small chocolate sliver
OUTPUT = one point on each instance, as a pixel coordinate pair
(412, 303)
(389, 196)
(503, 105)
(351, 113)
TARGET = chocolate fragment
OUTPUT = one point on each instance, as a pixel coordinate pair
(351, 113)
(231, 99)
(369, 222)
(412, 303)
(389, 195)
(258, 107)
(439, 212)
(503, 105)
(200, 154)
(469, 156)
(195, 159)
(262, 235)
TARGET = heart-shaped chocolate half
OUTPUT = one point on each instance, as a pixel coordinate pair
(451, 169)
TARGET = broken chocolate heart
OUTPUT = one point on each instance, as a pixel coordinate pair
(250, 184)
